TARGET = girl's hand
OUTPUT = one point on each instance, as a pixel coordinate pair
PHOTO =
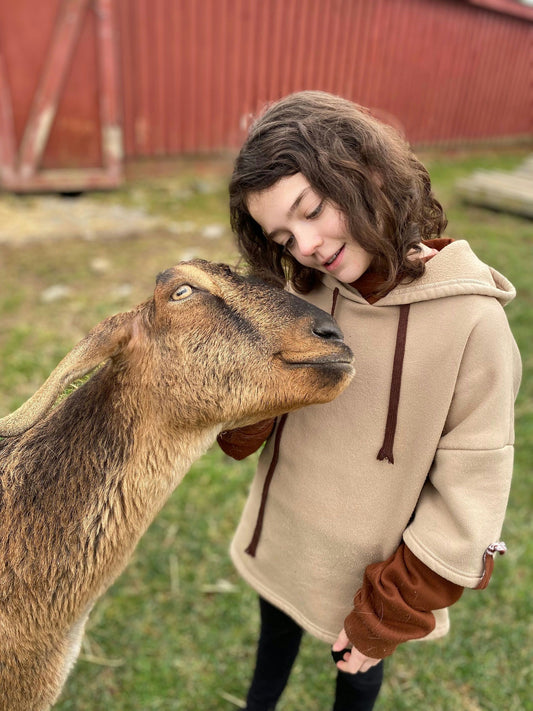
(354, 660)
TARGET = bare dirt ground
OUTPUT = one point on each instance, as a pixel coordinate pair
(24, 220)
(155, 196)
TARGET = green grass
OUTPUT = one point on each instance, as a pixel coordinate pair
(178, 629)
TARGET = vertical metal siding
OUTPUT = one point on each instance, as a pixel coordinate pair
(443, 69)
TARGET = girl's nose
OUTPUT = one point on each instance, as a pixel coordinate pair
(308, 243)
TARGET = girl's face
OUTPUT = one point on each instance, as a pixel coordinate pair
(313, 230)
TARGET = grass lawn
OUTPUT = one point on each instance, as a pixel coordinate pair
(177, 631)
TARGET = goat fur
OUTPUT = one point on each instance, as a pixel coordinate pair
(80, 482)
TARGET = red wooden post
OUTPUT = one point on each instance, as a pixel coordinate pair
(109, 88)
(7, 130)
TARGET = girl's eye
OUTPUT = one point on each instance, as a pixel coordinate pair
(316, 212)
(288, 244)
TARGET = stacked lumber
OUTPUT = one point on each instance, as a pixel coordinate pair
(499, 190)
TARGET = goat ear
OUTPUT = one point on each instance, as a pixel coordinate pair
(137, 334)
(106, 339)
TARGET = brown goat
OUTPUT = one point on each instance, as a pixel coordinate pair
(81, 482)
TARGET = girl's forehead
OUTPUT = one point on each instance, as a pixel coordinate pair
(283, 197)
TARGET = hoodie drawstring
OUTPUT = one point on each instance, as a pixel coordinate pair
(334, 300)
(252, 546)
(386, 451)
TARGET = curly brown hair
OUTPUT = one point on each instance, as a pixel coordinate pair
(351, 159)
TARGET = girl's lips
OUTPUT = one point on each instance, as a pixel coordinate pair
(330, 266)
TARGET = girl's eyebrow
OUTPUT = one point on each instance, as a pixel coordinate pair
(290, 212)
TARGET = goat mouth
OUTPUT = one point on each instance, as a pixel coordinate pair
(344, 364)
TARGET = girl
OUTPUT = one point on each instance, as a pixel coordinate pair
(368, 516)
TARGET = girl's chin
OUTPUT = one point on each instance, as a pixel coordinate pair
(348, 276)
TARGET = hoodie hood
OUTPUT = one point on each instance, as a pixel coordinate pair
(454, 271)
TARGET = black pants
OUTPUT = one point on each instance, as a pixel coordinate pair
(278, 647)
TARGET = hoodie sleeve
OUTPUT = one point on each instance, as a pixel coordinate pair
(460, 512)
(395, 603)
(243, 441)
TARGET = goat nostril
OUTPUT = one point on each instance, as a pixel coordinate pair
(327, 330)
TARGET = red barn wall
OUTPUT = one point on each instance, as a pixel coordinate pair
(191, 72)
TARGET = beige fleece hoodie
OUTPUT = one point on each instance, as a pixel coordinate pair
(333, 508)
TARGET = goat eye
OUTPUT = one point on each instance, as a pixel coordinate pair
(182, 292)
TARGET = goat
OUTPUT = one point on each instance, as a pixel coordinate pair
(81, 481)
